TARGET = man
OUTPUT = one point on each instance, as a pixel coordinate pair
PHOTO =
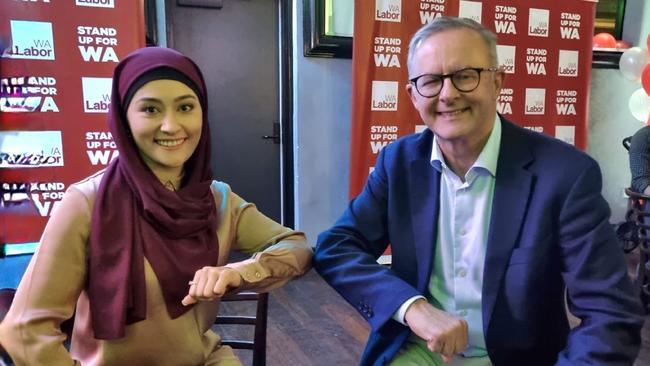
(640, 160)
(488, 223)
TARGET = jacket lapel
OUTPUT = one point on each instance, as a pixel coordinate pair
(425, 189)
(511, 195)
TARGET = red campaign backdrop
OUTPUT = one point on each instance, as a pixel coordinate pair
(543, 45)
(55, 76)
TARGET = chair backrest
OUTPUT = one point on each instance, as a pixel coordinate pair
(259, 321)
(6, 297)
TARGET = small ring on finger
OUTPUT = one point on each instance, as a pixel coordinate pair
(190, 283)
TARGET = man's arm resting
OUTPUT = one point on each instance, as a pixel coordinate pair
(401, 312)
(443, 333)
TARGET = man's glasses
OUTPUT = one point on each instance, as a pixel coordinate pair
(465, 80)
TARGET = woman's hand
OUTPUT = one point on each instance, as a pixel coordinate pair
(210, 283)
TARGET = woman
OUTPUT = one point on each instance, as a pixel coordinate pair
(124, 244)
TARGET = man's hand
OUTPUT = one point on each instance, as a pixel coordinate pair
(210, 283)
(444, 334)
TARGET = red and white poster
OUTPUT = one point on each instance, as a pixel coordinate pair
(56, 63)
(544, 46)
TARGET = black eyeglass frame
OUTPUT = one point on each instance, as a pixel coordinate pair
(479, 70)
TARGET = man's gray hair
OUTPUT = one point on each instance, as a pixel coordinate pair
(442, 24)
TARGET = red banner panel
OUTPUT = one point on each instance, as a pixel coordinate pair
(56, 63)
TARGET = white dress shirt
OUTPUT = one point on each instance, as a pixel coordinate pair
(463, 225)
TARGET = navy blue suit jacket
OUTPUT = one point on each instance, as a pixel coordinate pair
(549, 232)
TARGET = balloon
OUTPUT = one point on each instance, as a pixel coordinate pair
(622, 45)
(604, 40)
(632, 62)
(640, 105)
(645, 79)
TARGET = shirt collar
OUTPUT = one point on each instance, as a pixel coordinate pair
(488, 157)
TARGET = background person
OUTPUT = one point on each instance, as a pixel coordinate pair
(639, 155)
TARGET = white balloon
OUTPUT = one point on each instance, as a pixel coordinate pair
(640, 105)
(632, 62)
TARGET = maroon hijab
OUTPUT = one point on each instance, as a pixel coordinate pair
(135, 216)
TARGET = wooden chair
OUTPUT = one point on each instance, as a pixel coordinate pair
(6, 297)
(259, 321)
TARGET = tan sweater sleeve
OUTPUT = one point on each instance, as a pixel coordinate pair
(48, 291)
(280, 253)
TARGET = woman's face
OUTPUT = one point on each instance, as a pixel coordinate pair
(165, 119)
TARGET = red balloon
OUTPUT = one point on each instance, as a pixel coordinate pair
(645, 79)
(622, 45)
(604, 40)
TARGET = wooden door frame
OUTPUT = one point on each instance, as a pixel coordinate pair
(285, 79)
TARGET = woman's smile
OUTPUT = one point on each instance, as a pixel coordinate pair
(171, 143)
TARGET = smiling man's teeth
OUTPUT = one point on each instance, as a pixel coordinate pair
(170, 143)
(451, 113)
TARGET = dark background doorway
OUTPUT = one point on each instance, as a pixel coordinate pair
(238, 47)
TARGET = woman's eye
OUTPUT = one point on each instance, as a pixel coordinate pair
(149, 109)
(186, 107)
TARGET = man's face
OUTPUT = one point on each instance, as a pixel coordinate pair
(453, 115)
